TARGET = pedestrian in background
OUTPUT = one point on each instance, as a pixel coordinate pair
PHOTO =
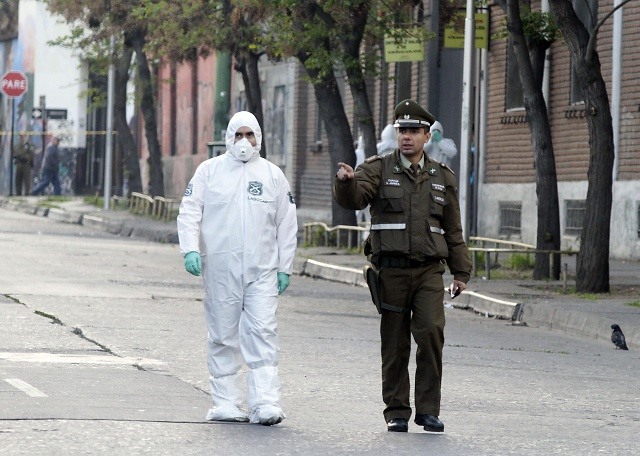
(49, 169)
(23, 156)
(237, 226)
(415, 229)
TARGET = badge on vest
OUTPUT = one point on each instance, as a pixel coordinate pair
(392, 182)
(431, 171)
(255, 188)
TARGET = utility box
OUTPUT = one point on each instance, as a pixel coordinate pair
(216, 148)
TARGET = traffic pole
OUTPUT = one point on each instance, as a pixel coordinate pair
(109, 139)
(13, 116)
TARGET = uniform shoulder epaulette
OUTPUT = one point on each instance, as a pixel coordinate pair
(373, 158)
(445, 166)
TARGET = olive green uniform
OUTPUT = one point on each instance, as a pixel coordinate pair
(23, 156)
(415, 228)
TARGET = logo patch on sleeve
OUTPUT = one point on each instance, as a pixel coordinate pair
(189, 190)
(439, 199)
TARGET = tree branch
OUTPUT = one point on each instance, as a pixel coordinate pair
(594, 32)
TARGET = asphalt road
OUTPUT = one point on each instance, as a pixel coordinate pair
(102, 351)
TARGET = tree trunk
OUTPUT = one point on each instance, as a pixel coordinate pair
(131, 168)
(592, 266)
(351, 42)
(338, 132)
(247, 65)
(530, 67)
(148, 106)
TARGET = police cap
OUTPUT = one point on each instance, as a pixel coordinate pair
(408, 113)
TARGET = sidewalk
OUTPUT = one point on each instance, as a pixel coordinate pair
(534, 303)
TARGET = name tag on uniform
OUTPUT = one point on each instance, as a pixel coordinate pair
(438, 187)
(438, 199)
(392, 182)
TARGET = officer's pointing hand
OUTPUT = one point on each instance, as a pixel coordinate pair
(345, 172)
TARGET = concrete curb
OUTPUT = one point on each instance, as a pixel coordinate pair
(469, 300)
(488, 306)
(326, 271)
(64, 216)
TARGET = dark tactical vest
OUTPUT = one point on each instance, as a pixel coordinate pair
(406, 215)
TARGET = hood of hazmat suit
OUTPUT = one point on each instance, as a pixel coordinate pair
(388, 140)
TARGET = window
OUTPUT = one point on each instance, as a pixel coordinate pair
(510, 218)
(574, 213)
(587, 12)
(514, 97)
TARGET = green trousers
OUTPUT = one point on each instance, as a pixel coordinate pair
(421, 291)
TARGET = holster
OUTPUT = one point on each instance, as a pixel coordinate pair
(371, 277)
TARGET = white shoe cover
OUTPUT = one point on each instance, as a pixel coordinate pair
(227, 412)
(267, 415)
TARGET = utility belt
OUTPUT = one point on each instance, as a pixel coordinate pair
(381, 261)
(23, 161)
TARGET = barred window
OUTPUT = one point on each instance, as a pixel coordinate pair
(574, 213)
(510, 218)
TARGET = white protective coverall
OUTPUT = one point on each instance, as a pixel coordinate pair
(239, 214)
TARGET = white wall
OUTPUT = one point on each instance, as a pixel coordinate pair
(624, 241)
(59, 75)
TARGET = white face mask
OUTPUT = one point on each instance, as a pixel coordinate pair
(243, 150)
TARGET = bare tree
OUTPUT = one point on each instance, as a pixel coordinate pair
(529, 49)
(592, 267)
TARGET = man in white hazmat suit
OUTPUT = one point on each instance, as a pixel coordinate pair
(237, 226)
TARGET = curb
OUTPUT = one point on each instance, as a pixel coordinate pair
(469, 300)
(489, 306)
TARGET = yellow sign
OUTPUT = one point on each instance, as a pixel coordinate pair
(404, 46)
(454, 32)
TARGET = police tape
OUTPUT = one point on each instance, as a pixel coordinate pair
(54, 132)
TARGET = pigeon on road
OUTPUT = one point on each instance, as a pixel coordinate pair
(618, 338)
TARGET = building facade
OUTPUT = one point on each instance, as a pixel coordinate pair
(507, 202)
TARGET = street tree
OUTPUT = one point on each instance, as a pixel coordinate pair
(107, 18)
(337, 39)
(531, 34)
(186, 30)
(592, 266)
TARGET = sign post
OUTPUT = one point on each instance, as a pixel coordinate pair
(13, 84)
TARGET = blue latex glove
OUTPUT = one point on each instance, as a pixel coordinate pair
(283, 282)
(193, 263)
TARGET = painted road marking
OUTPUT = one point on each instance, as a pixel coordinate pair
(25, 387)
(62, 358)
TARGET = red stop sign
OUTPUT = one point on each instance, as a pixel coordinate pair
(14, 83)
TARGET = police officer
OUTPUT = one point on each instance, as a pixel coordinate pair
(23, 156)
(415, 229)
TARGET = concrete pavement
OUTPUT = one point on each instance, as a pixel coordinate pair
(534, 303)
